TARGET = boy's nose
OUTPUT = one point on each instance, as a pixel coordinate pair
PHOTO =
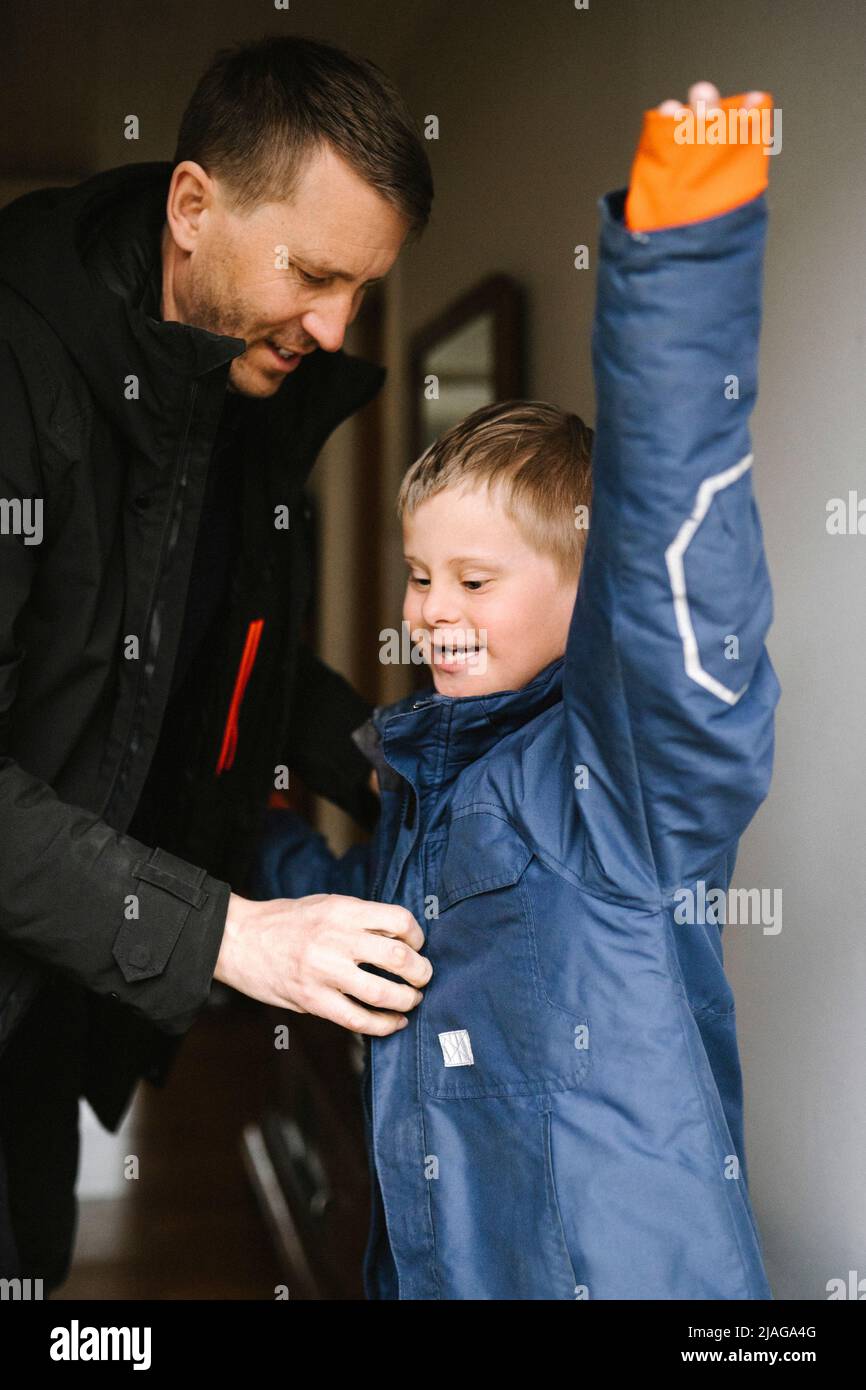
(438, 612)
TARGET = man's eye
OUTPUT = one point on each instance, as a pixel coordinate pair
(309, 279)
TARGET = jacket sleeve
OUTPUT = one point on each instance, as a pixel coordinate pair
(123, 919)
(294, 861)
(669, 690)
(325, 711)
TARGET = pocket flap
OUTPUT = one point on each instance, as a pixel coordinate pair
(483, 853)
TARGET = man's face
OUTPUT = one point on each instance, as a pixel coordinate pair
(488, 610)
(288, 274)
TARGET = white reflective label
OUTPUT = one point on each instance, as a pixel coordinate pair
(456, 1048)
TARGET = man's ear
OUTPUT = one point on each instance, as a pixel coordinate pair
(191, 192)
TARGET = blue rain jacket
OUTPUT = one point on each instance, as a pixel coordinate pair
(562, 1117)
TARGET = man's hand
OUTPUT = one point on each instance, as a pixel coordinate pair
(305, 954)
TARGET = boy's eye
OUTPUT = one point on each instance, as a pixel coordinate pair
(473, 585)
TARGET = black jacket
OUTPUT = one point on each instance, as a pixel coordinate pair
(108, 418)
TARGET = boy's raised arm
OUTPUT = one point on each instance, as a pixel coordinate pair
(669, 690)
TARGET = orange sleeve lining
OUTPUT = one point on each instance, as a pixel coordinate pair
(673, 183)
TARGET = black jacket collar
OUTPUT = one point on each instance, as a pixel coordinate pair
(87, 259)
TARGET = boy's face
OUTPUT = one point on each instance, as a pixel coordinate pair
(489, 611)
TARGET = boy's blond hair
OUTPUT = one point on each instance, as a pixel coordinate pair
(539, 458)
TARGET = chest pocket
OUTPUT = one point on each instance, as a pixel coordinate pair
(487, 1026)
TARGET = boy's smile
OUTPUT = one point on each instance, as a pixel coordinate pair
(488, 611)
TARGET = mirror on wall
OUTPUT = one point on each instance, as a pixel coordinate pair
(469, 355)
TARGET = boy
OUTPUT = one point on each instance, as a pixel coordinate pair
(561, 1116)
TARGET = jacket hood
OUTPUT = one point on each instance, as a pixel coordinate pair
(88, 260)
(429, 738)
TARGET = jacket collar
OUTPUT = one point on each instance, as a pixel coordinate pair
(429, 738)
(88, 260)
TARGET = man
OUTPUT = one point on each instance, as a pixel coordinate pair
(170, 364)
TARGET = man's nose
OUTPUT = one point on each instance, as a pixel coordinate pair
(328, 325)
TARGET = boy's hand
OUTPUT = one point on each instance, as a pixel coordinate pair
(706, 92)
(702, 158)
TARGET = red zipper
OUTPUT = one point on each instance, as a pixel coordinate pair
(230, 736)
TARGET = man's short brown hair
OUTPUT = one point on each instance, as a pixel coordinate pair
(262, 109)
(536, 455)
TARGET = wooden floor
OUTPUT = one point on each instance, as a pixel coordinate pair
(188, 1225)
